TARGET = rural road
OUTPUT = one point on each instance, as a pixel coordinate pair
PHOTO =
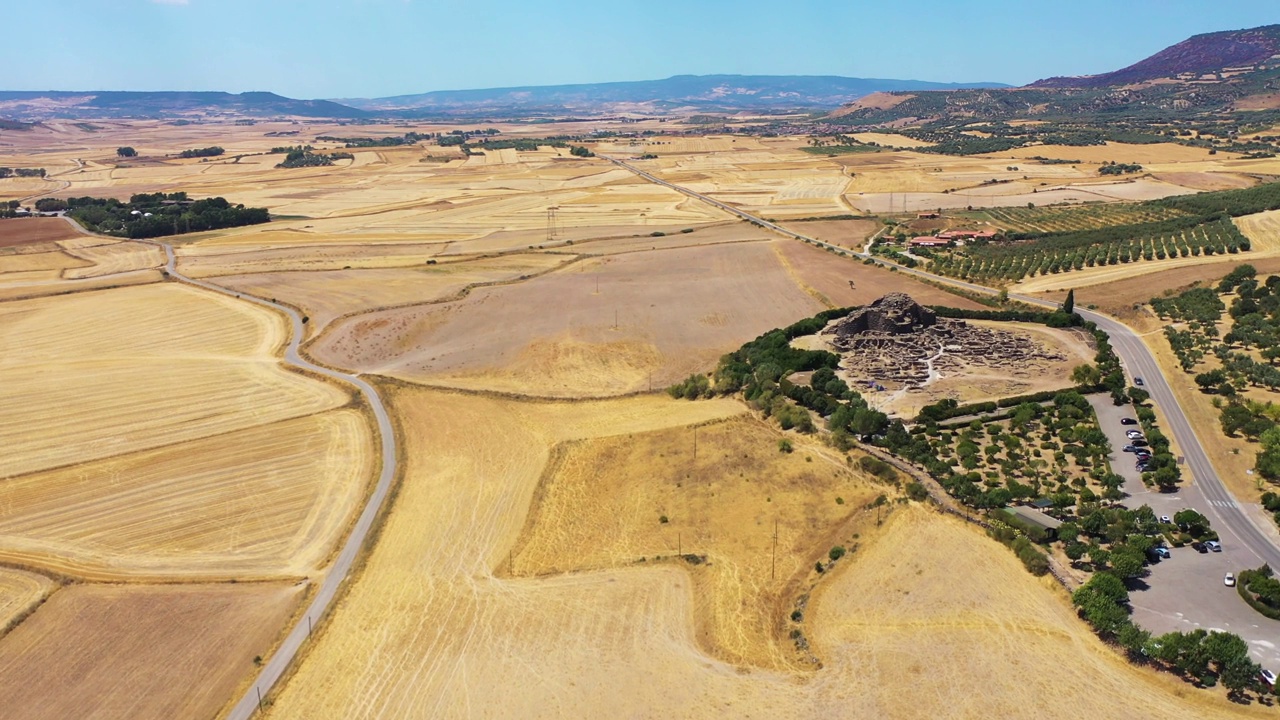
(274, 667)
(1224, 512)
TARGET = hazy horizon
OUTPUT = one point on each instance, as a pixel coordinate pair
(383, 48)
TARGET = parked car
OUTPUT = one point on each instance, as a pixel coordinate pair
(1229, 580)
(1267, 677)
(1138, 381)
(1199, 547)
(1133, 435)
(1141, 443)
(1129, 448)
(1214, 545)
(1162, 551)
(1166, 520)
(1128, 421)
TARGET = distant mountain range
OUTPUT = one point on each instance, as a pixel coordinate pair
(36, 105)
(1232, 70)
(692, 92)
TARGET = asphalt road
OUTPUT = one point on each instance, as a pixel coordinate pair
(1224, 512)
(274, 667)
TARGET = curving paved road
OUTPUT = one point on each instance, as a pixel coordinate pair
(275, 666)
(1224, 512)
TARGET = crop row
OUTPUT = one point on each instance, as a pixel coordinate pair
(1014, 261)
(1073, 218)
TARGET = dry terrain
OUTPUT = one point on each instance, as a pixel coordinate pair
(153, 436)
(632, 499)
(112, 651)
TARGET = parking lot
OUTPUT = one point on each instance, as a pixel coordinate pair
(1186, 591)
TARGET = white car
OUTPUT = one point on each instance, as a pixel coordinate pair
(1165, 519)
(1229, 580)
(1133, 435)
(1267, 677)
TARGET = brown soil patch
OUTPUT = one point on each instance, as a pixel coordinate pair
(1207, 180)
(23, 231)
(642, 498)
(829, 275)
(851, 234)
(140, 652)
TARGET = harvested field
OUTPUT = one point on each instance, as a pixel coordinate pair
(19, 591)
(636, 326)
(110, 257)
(140, 652)
(266, 501)
(1206, 181)
(24, 231)
(643, 498)
(1153, 154)
(89, 376)
(1263, 231)
(828, 277)
(286, 251)
(325, 295)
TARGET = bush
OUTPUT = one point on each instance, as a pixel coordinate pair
(836, 553)
(784, 445)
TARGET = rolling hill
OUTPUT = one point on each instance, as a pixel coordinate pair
(1228, 71)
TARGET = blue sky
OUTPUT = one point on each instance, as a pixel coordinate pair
(374, 48)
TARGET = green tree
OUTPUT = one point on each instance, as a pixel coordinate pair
(126, 152)
(1069, 305)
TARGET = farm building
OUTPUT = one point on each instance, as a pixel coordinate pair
(968, 234)
(929, 241)
(1026, 516)
(928, 216)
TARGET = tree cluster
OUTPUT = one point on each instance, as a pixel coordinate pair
(214, 151)
(158, 214)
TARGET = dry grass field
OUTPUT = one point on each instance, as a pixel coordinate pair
(607, 341)
(632, 499)
(159, 652)
(925, 601)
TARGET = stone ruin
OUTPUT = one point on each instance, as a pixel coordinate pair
(896, 340)
(893, 314)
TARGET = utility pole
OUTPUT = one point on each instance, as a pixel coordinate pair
(773, 566)
(259, 689)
